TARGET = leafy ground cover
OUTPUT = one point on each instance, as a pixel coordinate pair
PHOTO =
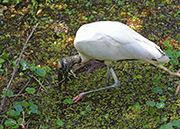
(146, 97)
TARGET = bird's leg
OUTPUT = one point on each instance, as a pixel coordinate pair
(116, 84)
(108, 76)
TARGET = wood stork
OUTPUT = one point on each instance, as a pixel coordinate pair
(109, 41)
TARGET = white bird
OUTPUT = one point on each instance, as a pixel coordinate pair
(109, 41)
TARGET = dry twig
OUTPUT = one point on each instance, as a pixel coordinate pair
(15, 68)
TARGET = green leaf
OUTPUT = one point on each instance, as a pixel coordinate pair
(23, 65)
(13, 113)
(163, 127)
(162, 16)
(2, 60)
(48, 69)
(45, 18)
(138, 76)
(1, 48)
(174, 61)
(10, 93)
(162, 99)
(157, 90)
(18, 108)
(83, 112)
(160, 105)
(34, 109)
(88, 108)
(151, 111)
(169, 126)
(1, 127)
(84, 18)
(164, 119)
(40, 72)
(9, 122)
(120, 3)
(106, 116)
(87, 4)
(68, 101)
(20, 120)
(60, 122)
(158, 119)
(150, 103)
(33, 68)
(30, 90)
(176, 123)
(166, 43)
(25, 104)
(136, 106)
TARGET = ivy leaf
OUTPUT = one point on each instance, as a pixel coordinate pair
(138, 76)
(68, 101)
(25, 104)
(88, 108)
(151, 111)
(106, 116)
(13, 113)
(166, 43)
(83, 112)
(30, 90)
(160, 105)
(169, 126)
(157, 90)
(48, 69)
(176, 123)
(40, 72)
(136, 106)
(23, 64)
(9, 122)
(1, 60)
(1, 127)
(163, 118)
(34, 109)
(10, 93)
(18, 108)
(150, 103)
(60, 122)
(33, 68)
(20, 120)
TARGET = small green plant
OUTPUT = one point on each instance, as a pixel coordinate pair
(152, 104)
(60, 122)
(170, 125)
(68, 101)
(174, 54)
(3, 56)
(16, 115)
(136, 106)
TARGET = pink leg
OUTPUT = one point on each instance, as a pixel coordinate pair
(116, 84)
(79, 97)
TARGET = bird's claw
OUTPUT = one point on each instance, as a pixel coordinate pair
(77, 98)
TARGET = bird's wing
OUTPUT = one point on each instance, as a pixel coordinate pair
(114, 41)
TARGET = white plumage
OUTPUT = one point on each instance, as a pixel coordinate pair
(110, 41)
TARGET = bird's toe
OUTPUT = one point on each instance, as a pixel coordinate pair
(79, 97)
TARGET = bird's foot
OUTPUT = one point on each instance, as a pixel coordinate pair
(79, 97)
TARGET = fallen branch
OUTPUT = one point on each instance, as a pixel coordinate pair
(15, 68)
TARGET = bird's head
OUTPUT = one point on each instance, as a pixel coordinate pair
(64, 67)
